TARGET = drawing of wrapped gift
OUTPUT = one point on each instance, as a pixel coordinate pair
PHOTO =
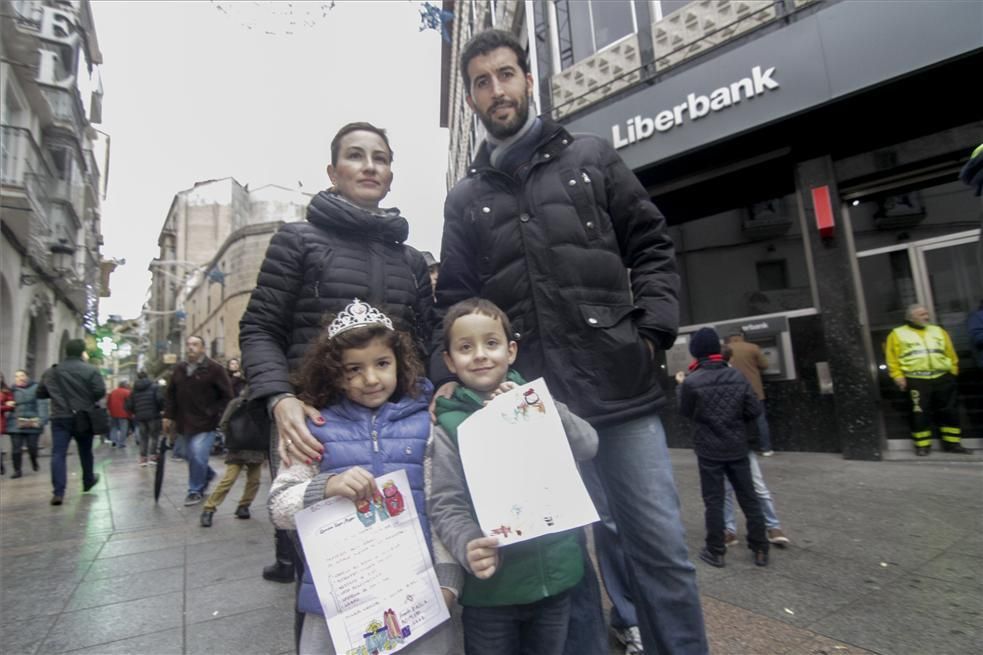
(392, 625)
(380, 506)
(394, 499)
(365, 512)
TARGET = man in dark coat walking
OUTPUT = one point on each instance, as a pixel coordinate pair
(146, 404)
(72, 385)
(196, 396)
(557, 231)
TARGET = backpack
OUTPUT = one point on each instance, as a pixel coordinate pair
(246, 424)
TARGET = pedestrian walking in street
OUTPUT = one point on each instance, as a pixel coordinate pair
(6, 406)
(146, 404)
(194, 401)
(242, 453)
(74, 387)
(368, 379)
(348, 247)
(773, 526)
(556, 230)
(233, 369)
(720, 401)
(27, 421)
(515, 600)
(747, 358)
(923, 364)
(119, 416)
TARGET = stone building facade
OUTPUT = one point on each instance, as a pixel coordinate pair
(207, 260)
(50, 180)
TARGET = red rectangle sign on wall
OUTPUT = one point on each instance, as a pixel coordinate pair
(824, 211)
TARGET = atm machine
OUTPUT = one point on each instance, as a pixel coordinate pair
(771, 334)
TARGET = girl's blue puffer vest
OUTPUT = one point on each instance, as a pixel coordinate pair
(401, 431)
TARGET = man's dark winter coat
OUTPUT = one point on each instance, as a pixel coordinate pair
(146, 401)
(720, 401)
(576, 254)
(316, 268)
(196, 402)
(82, 383)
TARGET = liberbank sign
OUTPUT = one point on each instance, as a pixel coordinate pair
(695, 106)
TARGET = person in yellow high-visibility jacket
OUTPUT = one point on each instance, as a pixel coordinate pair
(923, 363)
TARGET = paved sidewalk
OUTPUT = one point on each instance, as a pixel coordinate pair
(886, 558)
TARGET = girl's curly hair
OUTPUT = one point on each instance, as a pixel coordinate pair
(321, 376)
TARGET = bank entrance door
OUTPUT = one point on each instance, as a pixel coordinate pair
(945, 275)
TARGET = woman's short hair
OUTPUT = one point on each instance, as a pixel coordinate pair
(357, 127)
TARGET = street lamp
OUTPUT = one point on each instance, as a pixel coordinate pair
(62, 257)
(62, 261)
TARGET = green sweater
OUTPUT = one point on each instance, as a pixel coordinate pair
(528, 571)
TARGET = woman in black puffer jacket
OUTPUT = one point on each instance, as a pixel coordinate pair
(348, 248)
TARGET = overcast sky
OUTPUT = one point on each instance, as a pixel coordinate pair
(200, 90)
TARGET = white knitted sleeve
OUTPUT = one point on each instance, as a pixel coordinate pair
(287, 493)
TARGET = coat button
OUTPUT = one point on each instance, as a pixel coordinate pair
(486, 210)
(590, 225)
(547, 156)
(572, 183)
(592, 320)
(408, 450)
(524, 218)
(565, 141)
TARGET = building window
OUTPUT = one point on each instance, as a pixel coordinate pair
(588, 26)
(662, 8)
(772, 275)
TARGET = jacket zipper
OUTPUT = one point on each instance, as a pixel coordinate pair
(375, 436)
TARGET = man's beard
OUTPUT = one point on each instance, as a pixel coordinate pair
(500, 131)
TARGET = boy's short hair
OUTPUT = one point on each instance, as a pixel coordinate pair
(484, 42)
(475, 306)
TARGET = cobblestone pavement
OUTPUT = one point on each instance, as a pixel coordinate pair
(886, 558)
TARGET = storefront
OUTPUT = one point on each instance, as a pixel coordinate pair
(810, 180)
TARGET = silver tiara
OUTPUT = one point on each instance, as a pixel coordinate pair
(357, 314)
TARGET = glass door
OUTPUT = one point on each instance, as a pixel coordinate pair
(945, 275)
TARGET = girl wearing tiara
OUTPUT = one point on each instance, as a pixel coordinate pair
(368, 380)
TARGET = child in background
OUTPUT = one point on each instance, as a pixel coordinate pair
(515, 602)
(375, 420)
(236, 459)
(720, 401)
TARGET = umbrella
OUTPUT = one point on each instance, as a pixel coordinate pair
(161, 460)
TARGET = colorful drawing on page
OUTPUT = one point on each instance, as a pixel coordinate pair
(380, 506)
(365, 512)
(530, 406)
(394, 499)
(382, 636)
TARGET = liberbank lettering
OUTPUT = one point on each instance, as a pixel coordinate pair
(696, 106)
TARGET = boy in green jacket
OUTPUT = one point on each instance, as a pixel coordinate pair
(515, 601)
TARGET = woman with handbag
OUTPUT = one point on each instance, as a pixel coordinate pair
(27, 421)
(246, 449)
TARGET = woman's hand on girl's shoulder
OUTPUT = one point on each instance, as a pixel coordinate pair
(446, 390)
(296, 443)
